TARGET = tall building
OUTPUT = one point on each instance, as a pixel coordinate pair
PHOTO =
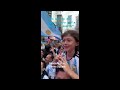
(77, 23)
(57, 19)
(65, 19)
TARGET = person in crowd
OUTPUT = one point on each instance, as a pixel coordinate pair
(53, 51)
(47, 50)
(50, 69)
(44, 74)
(57, 48)
(42, 55)
(61, 50)
(49, 58)
(70, 59)
(42, 46)
(61, 74)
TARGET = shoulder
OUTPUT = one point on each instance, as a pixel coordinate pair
(76, 57)
(49, 65)
(76, 60)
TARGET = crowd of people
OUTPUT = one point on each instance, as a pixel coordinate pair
(60, 60)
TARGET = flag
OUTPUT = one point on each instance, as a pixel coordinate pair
(48, 28)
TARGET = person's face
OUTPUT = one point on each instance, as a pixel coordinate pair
(41, 53)
(41, 66)
(48, 58)
(69, 43)
(61, 49)
(62, 75)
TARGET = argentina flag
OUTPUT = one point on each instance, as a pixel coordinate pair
(48, 28)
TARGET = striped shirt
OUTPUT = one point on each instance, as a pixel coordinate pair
(74, 63)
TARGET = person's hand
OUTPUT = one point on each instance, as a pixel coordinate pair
(63, 63)
(56, 58)
(55, 61)
(52, 49)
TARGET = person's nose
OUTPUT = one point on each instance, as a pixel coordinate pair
(65, 42)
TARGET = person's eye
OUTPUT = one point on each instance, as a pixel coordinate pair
(69, 40)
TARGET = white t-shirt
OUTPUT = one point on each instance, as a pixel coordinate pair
(45, 77)
(50, 70)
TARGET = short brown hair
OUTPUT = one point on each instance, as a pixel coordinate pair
(73, 33)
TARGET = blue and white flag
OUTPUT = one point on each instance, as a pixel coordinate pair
(48, 28)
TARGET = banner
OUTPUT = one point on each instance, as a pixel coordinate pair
(48, 28)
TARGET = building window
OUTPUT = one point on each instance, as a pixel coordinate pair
(59, 20)
(69, 20)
